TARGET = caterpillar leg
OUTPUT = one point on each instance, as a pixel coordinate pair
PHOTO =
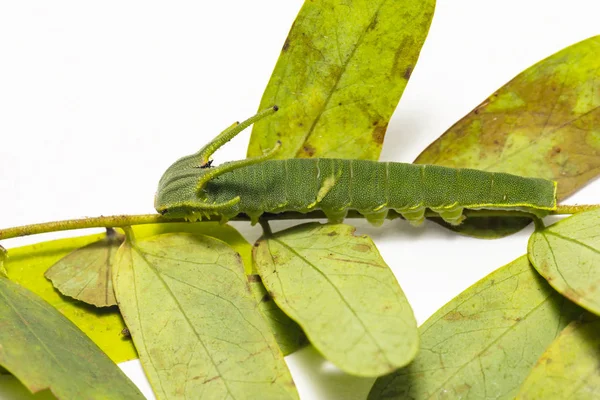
(453, 216)
(377, 218)
(414, 216)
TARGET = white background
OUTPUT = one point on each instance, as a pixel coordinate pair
(98, 98)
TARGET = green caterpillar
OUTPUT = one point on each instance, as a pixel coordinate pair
(191, 188)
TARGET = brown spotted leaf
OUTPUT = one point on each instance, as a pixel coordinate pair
(187, 304)
(85, 274)
(340, 75)
(484, 342)
(45, 350)
(544, 123)
(337, 287)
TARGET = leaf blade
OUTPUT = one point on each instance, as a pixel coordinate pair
(26, 266)
(334, 101)
(567, 254)
(85, 274)
(573, 359)
(483, 341)
(211, 341)
(288, 334)
(339, 290)
(58, 356)
(544, 123)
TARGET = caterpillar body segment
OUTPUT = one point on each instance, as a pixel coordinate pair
(337, 185)
(192, 189)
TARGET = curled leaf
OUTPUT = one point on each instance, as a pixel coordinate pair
(567, 254)
(568, 369)
(340, 75)
(85, 274)
(339, 290)
(191, 314)
(288, 334)
(484, 342)
(44, 350)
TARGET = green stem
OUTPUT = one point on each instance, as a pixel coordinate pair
(120, 221)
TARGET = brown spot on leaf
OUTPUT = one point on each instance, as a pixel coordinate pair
(458, 316)
(286, 44)
(332, 234)
(361, 247)
(254, 278)
(464, 388)
(265, 298)
(408, 73)
(211, 379)
(309, 150)
(378, 133)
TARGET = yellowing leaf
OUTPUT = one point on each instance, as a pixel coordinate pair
(340, 75)
(288, 334)
(196, 326)
(85, 274)
(569, 367)
(545, 123)
(26, 266)
(339, 290)
(46, 351)
(567, 254)
(483, 343)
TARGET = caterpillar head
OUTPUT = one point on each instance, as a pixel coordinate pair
(183, 191)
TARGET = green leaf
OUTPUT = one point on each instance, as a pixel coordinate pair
(191, 314)
(288, 334)
(544, 123)
(85, 274)
(484, 342)
(569, 367)
(26, 266)
(567, 254)
(340, 75)
(339, 290)
(44, 350)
